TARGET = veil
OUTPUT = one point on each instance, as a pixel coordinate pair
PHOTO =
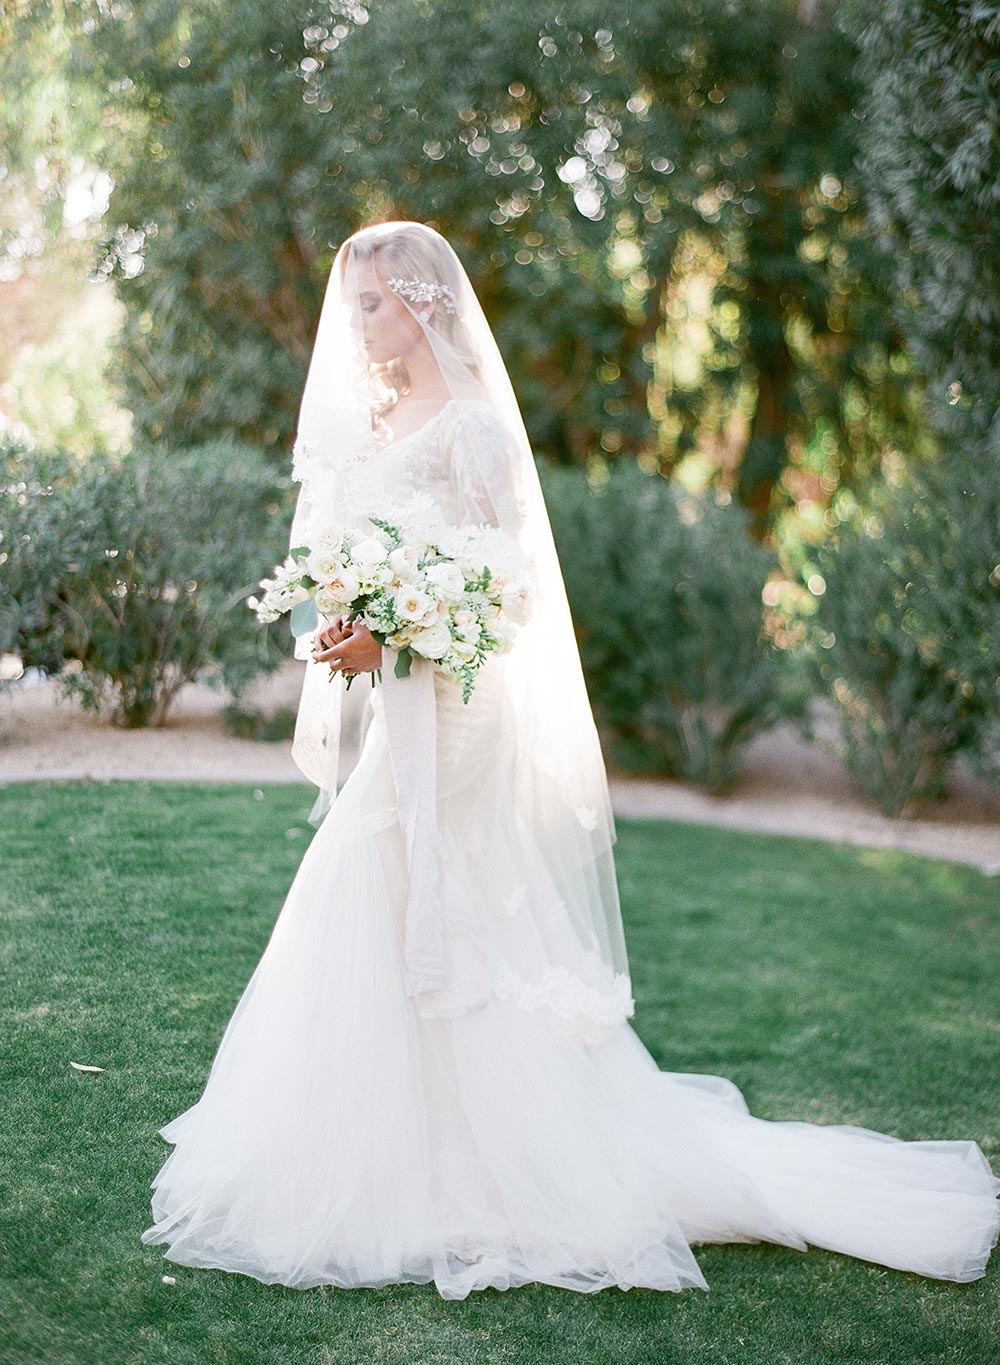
(402, 341)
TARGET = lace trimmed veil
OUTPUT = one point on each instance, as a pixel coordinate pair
(558, 794)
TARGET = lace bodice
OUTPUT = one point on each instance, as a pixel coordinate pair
(459, 462)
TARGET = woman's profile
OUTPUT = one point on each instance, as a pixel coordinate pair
(431, 1075)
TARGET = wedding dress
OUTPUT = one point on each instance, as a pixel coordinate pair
(461, 1099)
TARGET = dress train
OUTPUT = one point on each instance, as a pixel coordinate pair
(342, 1138)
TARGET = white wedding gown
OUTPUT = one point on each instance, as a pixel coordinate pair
(342, 1138)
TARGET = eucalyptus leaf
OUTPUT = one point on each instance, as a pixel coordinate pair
(304, 617)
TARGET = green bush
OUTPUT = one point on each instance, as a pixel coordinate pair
(906, 638)
(138, 568)
(251, 723)
(31, 486)
(665, 591)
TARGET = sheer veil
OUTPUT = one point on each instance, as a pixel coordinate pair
(429, 1075)
(556, 794)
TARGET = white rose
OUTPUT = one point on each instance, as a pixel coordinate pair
(515, 603)
(463, 650)
(368, 552)
(289, 597)
(467, 625)
(330, 602)
(448, 579)
(505, 634)
(414, 605)
(433, 642)
(322, 565)
(328, 540)
(342, 589)
(404, 561)
(472, 564)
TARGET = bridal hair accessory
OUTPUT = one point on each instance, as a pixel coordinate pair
(423, 291)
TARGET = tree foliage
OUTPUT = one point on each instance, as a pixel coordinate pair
(910, 620)
(585, 164)
(932, 161)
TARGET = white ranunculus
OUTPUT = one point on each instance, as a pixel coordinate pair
(448, 579)
(368, 552)
(433, 642)
(412, 604)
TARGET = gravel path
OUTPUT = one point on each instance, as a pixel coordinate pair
(788, 786)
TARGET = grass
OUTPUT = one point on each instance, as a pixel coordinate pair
(830, 983)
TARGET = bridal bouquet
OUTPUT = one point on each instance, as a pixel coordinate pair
(454, 599)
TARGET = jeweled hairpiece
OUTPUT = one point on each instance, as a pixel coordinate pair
(423, 291)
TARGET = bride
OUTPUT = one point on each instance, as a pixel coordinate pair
(430, 1075)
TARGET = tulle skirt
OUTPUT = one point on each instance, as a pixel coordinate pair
(344, 1139)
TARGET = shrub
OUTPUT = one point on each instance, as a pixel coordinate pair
(251, 723)
(137, 567)
(906, 638)
(31, 485)
(665, 591)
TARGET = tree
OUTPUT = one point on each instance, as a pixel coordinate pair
(931, 155)
(912, 611)
(582, 164)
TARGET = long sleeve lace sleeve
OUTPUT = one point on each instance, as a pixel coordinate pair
(490, 512)
(483, 460)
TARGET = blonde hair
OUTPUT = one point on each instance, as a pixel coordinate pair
(411, 253)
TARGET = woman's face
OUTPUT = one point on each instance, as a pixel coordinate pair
(389, 328)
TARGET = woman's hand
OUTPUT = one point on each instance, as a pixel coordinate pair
(348, 646)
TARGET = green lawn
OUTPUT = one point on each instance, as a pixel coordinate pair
(830, 983)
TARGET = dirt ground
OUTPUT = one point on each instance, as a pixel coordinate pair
(788, 785)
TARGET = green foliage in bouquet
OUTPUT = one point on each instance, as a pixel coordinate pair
(906, 639)
(134, 570)
(665, 591)
(358, 586)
